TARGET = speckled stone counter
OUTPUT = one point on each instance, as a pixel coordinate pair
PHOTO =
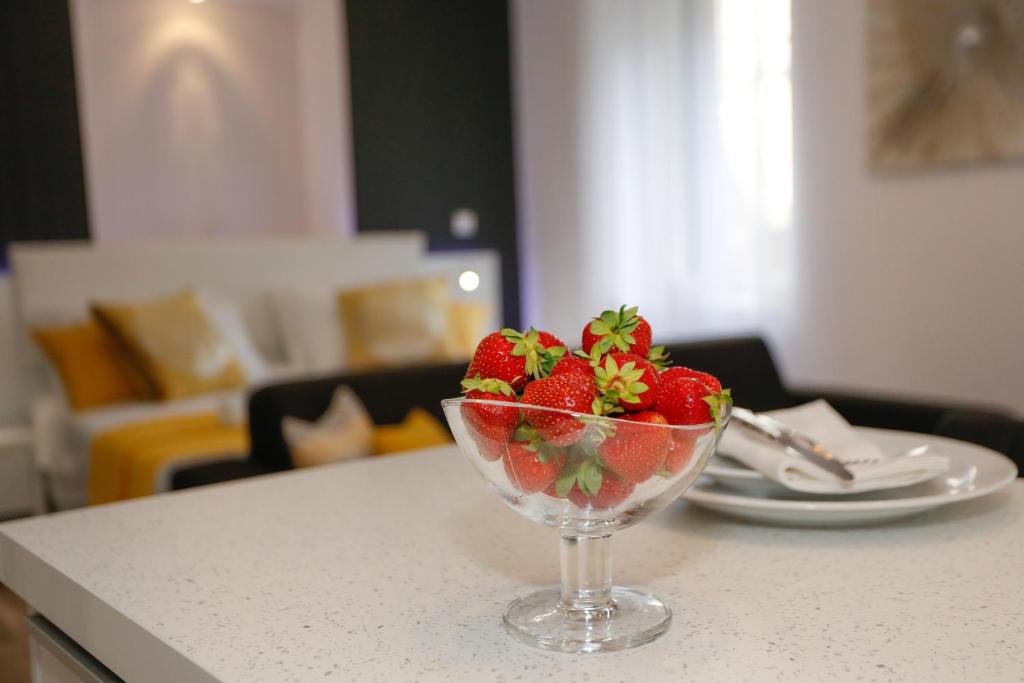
(398, 569)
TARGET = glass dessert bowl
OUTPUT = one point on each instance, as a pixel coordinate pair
(587, 476)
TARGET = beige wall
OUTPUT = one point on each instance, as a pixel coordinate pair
(219, 119)
(911, 283)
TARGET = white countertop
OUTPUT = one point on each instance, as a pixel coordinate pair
(399, 569)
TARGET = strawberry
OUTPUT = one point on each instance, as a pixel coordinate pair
(552, 490)
(549, 341)
(573, 364)
(490, 426)
(569, 391)
(625, 331)
(587, 484)
(707, 379)
(686, 401)
(514, 357)
(611, 493)
(636, 451)
(626, 382)
(531, 470)
(680, 451)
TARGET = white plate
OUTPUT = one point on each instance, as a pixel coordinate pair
(974, 472)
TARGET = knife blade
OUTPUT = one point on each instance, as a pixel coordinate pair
(798, 444)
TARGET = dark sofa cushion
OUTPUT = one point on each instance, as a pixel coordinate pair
(744, 364)
(215, 472)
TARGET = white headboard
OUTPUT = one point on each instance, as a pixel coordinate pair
(54, 282)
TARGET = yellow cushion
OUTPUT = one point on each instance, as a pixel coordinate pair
(90, 368)
(470, 323)
(174, 346)
(398, 323)
(419, 429)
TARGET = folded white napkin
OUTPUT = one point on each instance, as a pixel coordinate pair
(872, 469)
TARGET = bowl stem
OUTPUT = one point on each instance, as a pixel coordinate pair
(587, 573)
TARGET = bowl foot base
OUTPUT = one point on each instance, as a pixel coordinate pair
(541, 620)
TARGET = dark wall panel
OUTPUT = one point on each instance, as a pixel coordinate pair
(42, 190)
(432, 122)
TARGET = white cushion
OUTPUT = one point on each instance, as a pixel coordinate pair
(343, 432)
(226, 316)
(310, 328)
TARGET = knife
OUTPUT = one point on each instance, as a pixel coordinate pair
(794, 442)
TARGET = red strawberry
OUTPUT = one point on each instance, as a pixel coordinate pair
(628, 382)
(624, 330)
(570, 391)
(490, 426)
(638, 448)
(514, 357)
(680, 451)
(548, 340)
(526, 470)
(552, 491)
(707, 379)
(686, 401)
(573, 364)
(612, 492)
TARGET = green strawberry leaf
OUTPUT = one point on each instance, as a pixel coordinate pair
(716, 402)
(590, 477)
(638, 388)
(600, 328)
(470, 383)
(489, 386)
(548, 359)
(565, 480)
(526, 432)
(658, 357)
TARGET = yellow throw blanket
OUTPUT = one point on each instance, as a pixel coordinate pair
(124, 462)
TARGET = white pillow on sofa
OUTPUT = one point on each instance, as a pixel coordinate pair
(226, 316)
(309, 327)
(343, 432)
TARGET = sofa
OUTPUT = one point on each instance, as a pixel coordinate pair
(745, 364)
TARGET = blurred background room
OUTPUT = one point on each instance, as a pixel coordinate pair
(204, 202)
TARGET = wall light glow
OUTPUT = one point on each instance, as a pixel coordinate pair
(197, 2)
(469, 280)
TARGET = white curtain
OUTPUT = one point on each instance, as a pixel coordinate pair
(678, 165)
